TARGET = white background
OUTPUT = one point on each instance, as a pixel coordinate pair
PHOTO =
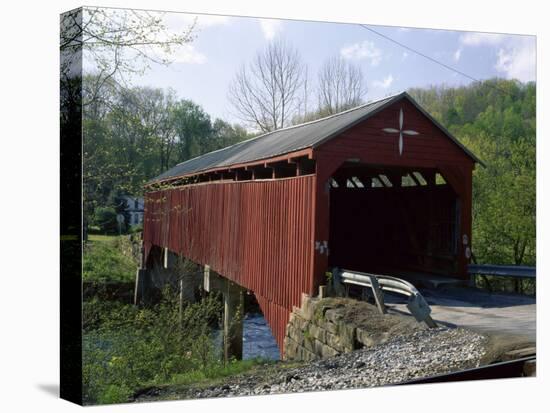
(29, 204)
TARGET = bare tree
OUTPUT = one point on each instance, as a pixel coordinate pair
(302, 110)
(112, 43)
(266, 93)
(341, 86)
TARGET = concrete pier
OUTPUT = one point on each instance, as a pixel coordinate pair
(168, 269)
(142, 288)
(182, 275)
(233, 321)
(233, 300)
(172, 269)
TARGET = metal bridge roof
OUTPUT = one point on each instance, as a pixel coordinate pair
(290, 139)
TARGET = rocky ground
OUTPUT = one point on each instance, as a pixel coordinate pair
(418, 354)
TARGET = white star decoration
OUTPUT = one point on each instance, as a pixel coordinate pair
(401, 131)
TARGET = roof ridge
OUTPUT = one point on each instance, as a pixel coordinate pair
(371, 102)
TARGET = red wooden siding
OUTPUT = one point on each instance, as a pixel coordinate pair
(256, 233)
(369, 144)
(430, 148)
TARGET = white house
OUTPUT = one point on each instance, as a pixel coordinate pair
(135, 209)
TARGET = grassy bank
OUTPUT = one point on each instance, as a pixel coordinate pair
(126, 348)
(105, 261)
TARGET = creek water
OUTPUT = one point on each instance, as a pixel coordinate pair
(257, 338)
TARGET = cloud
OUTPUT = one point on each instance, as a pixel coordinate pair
(364, 50)
(178, 23)
(404, 56)
(185, 53)
(516, 55)
(518, 61)
(270, 28)
(457, 54)
(212, 20)
(478, 39)
(385, 83)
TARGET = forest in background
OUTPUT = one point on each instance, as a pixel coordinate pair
(131, 135)
(496, 120)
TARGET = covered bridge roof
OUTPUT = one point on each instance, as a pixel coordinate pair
(291, 139)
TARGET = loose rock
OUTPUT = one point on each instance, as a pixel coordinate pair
(419, 354)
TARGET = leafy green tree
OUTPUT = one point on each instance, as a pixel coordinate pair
(117, 43)
(504, 223)
(496, 119)
(105, 219)
(193, 128)
(224, 134)
(132, 135)
(118, 202)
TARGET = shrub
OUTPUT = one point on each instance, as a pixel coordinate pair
(134, 229)
(105, 219)
(125, 347)
(94, 229)
(105, 261)
(115, 394)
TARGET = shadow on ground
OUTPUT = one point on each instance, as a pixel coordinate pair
(51, 389)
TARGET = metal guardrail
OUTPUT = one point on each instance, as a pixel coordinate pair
(517, 271)
(416, 303)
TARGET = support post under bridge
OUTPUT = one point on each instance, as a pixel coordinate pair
(149, 280)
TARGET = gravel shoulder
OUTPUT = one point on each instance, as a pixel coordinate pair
(421, 353)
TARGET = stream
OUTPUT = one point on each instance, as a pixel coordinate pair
(257, 338)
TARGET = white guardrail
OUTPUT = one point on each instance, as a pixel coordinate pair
(416, 304)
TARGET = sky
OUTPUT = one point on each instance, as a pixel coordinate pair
(203, 69)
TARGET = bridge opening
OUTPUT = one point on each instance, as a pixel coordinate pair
(392, 220)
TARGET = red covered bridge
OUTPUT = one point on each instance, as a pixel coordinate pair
(379, 188)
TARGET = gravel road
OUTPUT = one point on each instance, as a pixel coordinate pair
(493, 313)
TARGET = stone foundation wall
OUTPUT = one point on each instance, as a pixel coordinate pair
(327, 327)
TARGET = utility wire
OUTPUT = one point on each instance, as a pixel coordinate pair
(431, 59)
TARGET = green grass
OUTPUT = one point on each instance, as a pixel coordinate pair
(261, 370)
(217, 372)
(103, 238)
(104, 260)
